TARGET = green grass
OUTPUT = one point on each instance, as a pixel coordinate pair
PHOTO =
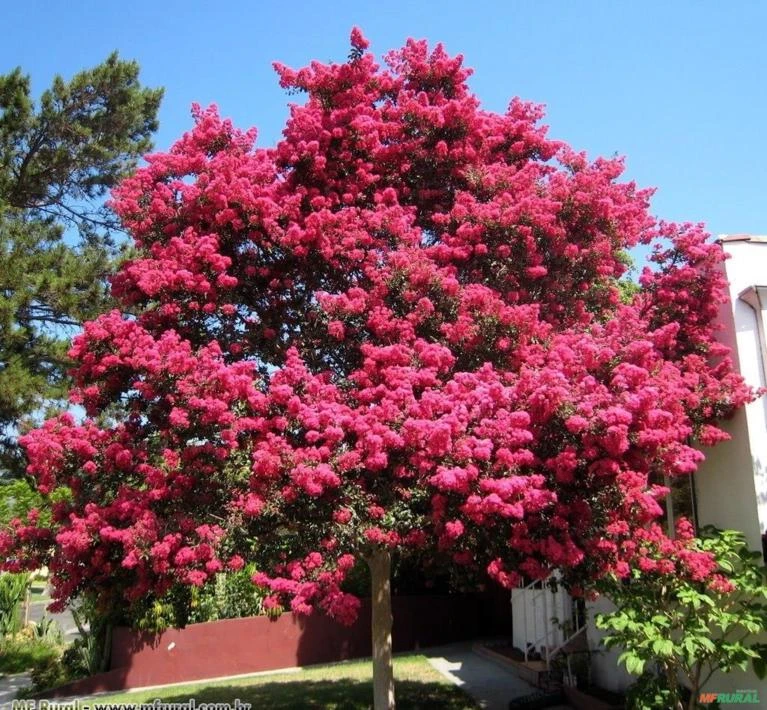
(341, 686)
(39, 592)
(17, 656)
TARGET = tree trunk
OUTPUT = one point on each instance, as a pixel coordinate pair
(383, 672)
(673, 685)
(695, 694)
(106, 651)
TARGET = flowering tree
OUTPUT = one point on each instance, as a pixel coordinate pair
(400, 330)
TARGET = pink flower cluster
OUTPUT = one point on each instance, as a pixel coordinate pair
(654, 553)
(309, 581)
(402, 326)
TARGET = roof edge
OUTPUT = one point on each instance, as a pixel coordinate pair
(756, 238)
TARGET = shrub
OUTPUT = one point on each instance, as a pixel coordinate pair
(230, 595)
(22, 652)
(693, 607)
(48, 673)
(93, 646)
(47, 629)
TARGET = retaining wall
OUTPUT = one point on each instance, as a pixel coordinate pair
(252, 644)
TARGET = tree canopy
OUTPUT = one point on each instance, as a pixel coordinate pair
(57, 161)
(400, 331)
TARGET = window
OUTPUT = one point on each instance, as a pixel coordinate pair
(679, 503)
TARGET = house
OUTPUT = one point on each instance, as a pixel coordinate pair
(729, 490)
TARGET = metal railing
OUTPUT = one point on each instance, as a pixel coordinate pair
(539, 589)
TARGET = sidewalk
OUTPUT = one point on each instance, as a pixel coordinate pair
(491, 685)
(10, 685)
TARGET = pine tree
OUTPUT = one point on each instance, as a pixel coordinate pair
(58, 159)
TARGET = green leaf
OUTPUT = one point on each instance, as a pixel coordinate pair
(619, 623)
(634, 665)
(663, 647)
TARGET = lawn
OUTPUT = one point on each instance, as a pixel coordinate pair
(39, 591)
(341, 686)
(17, 656)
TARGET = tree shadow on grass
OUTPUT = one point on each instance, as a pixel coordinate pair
(343, 694)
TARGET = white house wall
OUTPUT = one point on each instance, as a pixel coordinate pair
(605, 670)
(731, 485)
(725, 493)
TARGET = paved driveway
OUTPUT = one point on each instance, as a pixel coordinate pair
(37, 610)
(490, 684)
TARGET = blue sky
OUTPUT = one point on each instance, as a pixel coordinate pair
(679, 88)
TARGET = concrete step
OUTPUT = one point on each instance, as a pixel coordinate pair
(534, 672)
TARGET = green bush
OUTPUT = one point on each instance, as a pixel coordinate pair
(48, 673)
(36, 648)
(89, 653)
(23, 652)
(83, 657)
(231, 595)
(674, 626)
(236, 596)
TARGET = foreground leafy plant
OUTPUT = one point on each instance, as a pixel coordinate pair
(90, 651)
(691, 607)
(13, 587)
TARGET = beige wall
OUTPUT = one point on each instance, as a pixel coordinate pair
(725, 492)
(604, 663)
(731, 485)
